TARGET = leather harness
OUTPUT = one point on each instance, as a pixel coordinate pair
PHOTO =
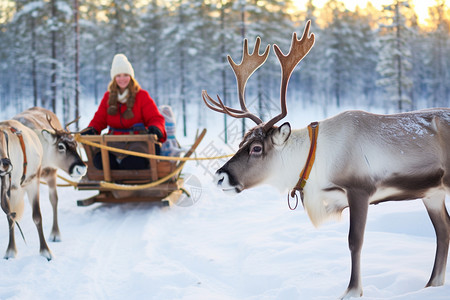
(22, 145)
(313, 130)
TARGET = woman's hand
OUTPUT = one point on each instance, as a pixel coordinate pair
(155, 130)
(89, 131)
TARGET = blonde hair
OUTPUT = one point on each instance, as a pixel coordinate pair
(133, 88)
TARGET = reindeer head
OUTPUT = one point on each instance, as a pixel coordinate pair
(257, 154)
(63, 148)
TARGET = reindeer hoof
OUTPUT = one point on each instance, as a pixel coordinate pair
(352, 293)
(10, 254)
(436, 281)
(47, 254)
(55, 237)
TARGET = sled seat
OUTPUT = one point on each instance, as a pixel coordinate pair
(166, 191)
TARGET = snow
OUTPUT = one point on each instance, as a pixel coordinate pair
(250, 246)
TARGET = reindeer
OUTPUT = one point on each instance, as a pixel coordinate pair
(60, 151)
(21, 157)
(350, 160)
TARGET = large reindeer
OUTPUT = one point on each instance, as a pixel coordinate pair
(60, 152)
(350, 160)
(21, 156)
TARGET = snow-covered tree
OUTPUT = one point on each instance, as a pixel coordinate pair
(366, 56)
(269, 20)
(439, 61)
(151, 31)
(394, 63)
(339, 42)
(95, 49)
(306, 81)
(179, 47)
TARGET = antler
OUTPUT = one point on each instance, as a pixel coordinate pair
(49, 120)
(71, 122)
(62, 131)
(249, 64)
(299, 49)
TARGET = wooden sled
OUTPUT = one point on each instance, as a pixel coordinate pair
(167, 192)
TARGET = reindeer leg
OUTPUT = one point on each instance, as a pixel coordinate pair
(37, 218)
(358, 201)
(50, 177)
(11, 251)
(435, 206)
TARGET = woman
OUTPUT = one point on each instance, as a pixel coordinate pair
(126, 109)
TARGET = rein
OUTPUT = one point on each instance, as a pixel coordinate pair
(22, 145)
(313, 130)
(6, 191)
(7, 158)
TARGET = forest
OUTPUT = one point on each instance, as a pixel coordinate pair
(58, 53)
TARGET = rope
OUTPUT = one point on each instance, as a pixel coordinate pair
(116, 186)
(79, 139)
(58, 184)
(69, 182)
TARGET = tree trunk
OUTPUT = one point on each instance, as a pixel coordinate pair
(182, 75)
(53, 46)
(224, 75)
(77, 63)
(33, 61)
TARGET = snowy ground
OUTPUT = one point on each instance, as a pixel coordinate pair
(250, 246)
(246, 247)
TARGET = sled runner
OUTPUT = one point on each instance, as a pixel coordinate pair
(161, 181)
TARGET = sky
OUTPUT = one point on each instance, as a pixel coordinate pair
(420, 6)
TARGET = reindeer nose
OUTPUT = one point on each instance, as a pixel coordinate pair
(220, 177)
(78, 171)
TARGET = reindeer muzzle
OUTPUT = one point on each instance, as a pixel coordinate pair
(77, 170)
(227, 183)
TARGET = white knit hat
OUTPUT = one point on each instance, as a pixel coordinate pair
(121, 65)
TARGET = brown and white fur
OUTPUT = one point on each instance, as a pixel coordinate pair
(13, 204)
(60, 152)
(361, 159)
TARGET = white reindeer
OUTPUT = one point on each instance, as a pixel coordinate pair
(360, 159)
(60, 152)
(21, 156)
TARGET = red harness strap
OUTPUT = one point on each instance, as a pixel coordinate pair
(22, 145)
(313, 130)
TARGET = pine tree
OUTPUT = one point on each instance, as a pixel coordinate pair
(95, 49)
(394, 63)
(307, 80)
(439, 62)
(365, 60)
(339, 44)
(151, 31)
(340, 68)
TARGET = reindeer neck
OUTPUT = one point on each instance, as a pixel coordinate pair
(292, 159)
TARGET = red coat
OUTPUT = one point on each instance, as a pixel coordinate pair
(144, 110)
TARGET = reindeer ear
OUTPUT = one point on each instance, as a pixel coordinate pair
(281, 134)
(48, 136)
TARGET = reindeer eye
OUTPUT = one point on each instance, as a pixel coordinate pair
(256, 149)
(61, 147)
